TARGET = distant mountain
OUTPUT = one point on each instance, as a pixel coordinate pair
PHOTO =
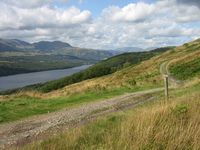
(137, 49)
(134, 49)
(129, 49)
(21, 43)
(150, 48)
(14, 45)
(54, 48)
(47, 47)
(8, 46)
(62, 48)
(85, 53)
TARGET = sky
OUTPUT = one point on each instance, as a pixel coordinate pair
(102, 24)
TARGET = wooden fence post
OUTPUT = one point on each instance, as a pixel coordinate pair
(166, 87)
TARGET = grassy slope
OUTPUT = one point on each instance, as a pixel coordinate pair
(153, 125)
(186, 66)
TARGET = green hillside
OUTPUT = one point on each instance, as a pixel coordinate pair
(186, 67)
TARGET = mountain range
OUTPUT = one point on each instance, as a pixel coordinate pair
(15, 45)
(62, 48)
(55, 47)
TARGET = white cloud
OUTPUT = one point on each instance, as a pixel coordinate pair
(138, 12)
(158, 24)
(130, 13)
(186, 14)
(159, 27)
(189, 2)
(71, 16)
(8, 16)
(29, 3)
(171, 31)
(43, 17)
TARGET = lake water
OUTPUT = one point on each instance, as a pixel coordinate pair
(21, 80)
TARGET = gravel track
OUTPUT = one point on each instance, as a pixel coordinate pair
(174, 82)
(19, 133)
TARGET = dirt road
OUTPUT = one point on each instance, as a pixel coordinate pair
(20, 133)
(174, 82)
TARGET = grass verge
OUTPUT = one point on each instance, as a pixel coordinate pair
(15, 107)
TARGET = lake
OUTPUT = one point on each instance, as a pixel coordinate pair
(21, 80)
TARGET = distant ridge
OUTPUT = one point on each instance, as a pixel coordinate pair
(129, 49)
(15, 45)
(46, 46)
(9, 46)
(150, 48)
(14, 42)
(22, 43)
(134, 49)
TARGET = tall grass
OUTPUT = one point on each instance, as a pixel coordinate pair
(157, 125)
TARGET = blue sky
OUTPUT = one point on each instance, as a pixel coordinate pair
(102, 24)
(96, 6)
